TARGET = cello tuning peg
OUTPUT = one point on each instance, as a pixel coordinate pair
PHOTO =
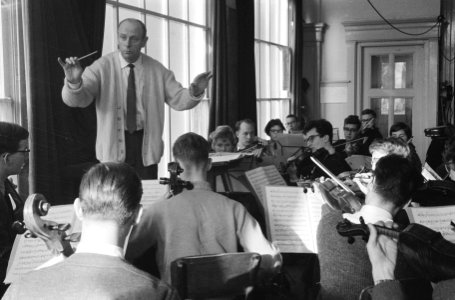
(74, 237)
(351, 240)
(19, 227)
(63, 227)
(30, 235)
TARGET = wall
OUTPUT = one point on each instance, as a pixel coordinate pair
(333, 58)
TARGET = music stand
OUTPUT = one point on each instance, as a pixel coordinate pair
(290, 143)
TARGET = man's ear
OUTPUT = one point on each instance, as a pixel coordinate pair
(326, 138)
(144, 41)
(78, 209)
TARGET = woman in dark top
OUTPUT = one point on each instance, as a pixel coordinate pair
(13, 157)
(403, 131)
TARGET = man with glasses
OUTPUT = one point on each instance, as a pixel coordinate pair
(351, 129)
(293, 124)
(368, 130)
(318, 136)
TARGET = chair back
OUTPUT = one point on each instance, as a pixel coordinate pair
(218, 275)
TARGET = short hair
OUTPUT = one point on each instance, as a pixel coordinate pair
(292, 116)
(191, 148)
(10, 136)
(368, 111)
(222, 132)
(396, 179)
(110, 191)
(391, 145)
(271, 123)
(239, 123)
(322, 126)
(352, 119)
(401, 126)
(144, 28)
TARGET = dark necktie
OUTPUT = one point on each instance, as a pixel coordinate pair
(131, 102)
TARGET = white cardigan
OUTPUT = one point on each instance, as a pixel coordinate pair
(102, 81)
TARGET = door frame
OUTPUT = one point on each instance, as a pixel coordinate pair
(365, 34)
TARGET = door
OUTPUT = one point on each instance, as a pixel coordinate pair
(393, 87)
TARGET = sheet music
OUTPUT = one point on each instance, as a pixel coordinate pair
(153, 191)
(263, 176)
(29, 253)
(357, 162)
(437, 218)
(292, 218)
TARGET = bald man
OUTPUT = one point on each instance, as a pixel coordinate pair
(130, 89)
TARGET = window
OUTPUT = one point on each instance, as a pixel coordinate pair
(273, 60)
(12, 62)
(178, 34)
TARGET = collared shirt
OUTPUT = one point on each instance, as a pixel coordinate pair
(100, 248)
(139, 83)
(371, 214)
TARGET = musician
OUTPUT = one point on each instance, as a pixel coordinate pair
(109, 207)
(403, 131)
(351, 129)
(273, 129)
(345, 270)
(318, 135)
(247, 141)
(368, 130)
(382, 252)
(222, 139)
(197, 221)
(13, 158)
(293, 124)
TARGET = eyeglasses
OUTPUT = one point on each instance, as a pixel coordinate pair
(366, 120)
(291, 123)
(311, 138)
(276, 130)
(26, 150)
(350, 129)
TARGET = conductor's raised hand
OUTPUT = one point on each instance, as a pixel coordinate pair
(72, 68)
(200, 83)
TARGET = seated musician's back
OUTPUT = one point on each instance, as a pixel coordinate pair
(198, 221)
(345, 268)
(108, 206)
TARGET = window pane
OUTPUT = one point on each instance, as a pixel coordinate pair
(128, 13)
(403, 71)
(178, 49)
(197, 11)
(137, 3)
(157, 45)
(110, 36)
(178, 9)
(284, 23)
(159, 6)
(381, 73)
(264, 72)
(257, 27)
(402, 110)
(382, 108)
(198, 55)
(264, 20)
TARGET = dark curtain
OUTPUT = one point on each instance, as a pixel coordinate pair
(233, 84)
(63, 138)
(446, 65)
(296, 44)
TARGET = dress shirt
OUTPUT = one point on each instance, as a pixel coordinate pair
(371, 214)
(100, 248)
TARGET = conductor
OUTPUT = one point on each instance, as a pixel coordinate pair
(130, 89)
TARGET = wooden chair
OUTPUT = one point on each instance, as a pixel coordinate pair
(218, 275)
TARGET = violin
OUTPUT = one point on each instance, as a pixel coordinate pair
(53, 234)
(336, 194)
(424, 249)
(176, 184)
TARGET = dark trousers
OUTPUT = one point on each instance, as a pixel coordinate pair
(133, 146)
